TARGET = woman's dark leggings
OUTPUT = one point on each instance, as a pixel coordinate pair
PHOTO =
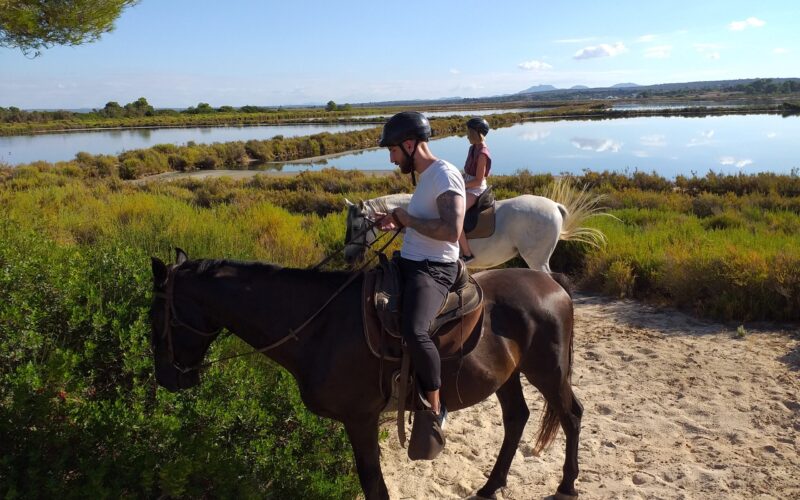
(425, 287)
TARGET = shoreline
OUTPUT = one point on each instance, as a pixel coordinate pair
(237, 174)
(689, 109)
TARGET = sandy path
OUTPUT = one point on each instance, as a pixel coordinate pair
(674, 407)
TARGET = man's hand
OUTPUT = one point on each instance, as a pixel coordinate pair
(392, 221)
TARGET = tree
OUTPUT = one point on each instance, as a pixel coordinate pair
(112, 109)
(139, 107)
(35, 25)
(331, 106)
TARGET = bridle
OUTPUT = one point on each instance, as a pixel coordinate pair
(171, 318)
(365, 226)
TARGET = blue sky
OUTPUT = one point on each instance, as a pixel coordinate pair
(177, 53)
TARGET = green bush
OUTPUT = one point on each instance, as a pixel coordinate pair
(81, 415)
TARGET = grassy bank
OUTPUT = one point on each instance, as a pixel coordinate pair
(81, 414)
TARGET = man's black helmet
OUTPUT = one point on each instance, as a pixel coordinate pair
(404, 126)
(478, 124)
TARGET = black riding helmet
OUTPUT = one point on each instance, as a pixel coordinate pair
(479, 125)
(404, 126)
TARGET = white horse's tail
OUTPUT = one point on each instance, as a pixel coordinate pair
(576, 207)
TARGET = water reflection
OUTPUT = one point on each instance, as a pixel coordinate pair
(467, 112)
(596, 145)
(535, 135)
(63, 146)
(653, 140)
(730, 160)
(666, 145)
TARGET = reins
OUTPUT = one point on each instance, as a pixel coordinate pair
(171, 317)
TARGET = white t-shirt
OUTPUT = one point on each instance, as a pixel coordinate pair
(438, 178)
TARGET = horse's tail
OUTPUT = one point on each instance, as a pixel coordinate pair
(551, 415)
(548, 429)
(551, 419)
(564, 281)
(576, 207)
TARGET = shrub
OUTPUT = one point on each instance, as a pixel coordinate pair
(619, 279)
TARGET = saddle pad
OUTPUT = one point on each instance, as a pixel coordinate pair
(453, 336)
(485, 225)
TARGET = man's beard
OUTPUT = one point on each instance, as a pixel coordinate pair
(406, 165)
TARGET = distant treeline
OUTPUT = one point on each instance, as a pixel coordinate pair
(141, 107)
(768, 86)
(140, 113)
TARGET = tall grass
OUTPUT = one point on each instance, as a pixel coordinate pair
(80, 414)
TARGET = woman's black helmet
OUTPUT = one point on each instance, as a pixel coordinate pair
(479, 125)
(404, 126)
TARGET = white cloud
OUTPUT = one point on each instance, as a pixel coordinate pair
(596, 145)
(655, 140)
(602, 50)
(641, 154)
(730, 160)
(658, 52)
(709, 50)
(771, 135)
(750, 22)
(780, 50)
(708, 134)
(646, 38)
(534, 65)
(454, 71)
(575, 40)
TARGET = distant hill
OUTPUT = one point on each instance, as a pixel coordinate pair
(538, 88)
(544, 93)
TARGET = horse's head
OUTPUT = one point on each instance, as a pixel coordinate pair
(359, 234)
(181, 329)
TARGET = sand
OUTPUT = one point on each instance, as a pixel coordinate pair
(675, 407)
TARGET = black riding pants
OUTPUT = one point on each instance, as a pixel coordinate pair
(425, 287)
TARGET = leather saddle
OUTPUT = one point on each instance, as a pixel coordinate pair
(455, 331)
(479, 221)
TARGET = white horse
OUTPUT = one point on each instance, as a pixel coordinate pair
(528, 226)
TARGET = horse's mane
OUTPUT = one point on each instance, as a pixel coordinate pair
(386, 203)
(213, 267)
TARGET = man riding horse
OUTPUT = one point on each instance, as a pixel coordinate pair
(430, 252)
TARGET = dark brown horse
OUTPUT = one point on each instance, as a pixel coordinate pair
(527, 330)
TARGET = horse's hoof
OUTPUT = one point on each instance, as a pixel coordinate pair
(481, 495)
(564, 496)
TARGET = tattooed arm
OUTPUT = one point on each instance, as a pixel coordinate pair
(447, 227)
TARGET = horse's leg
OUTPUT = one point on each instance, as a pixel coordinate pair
(536, 258)
(363, 434)
(515, 415)
(562, 406)
(571, 423)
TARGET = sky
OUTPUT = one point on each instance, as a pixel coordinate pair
(177, 53)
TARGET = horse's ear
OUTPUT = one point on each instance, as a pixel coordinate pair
(159, 271)
(180, 256)
(361, 204)
(349, 203)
